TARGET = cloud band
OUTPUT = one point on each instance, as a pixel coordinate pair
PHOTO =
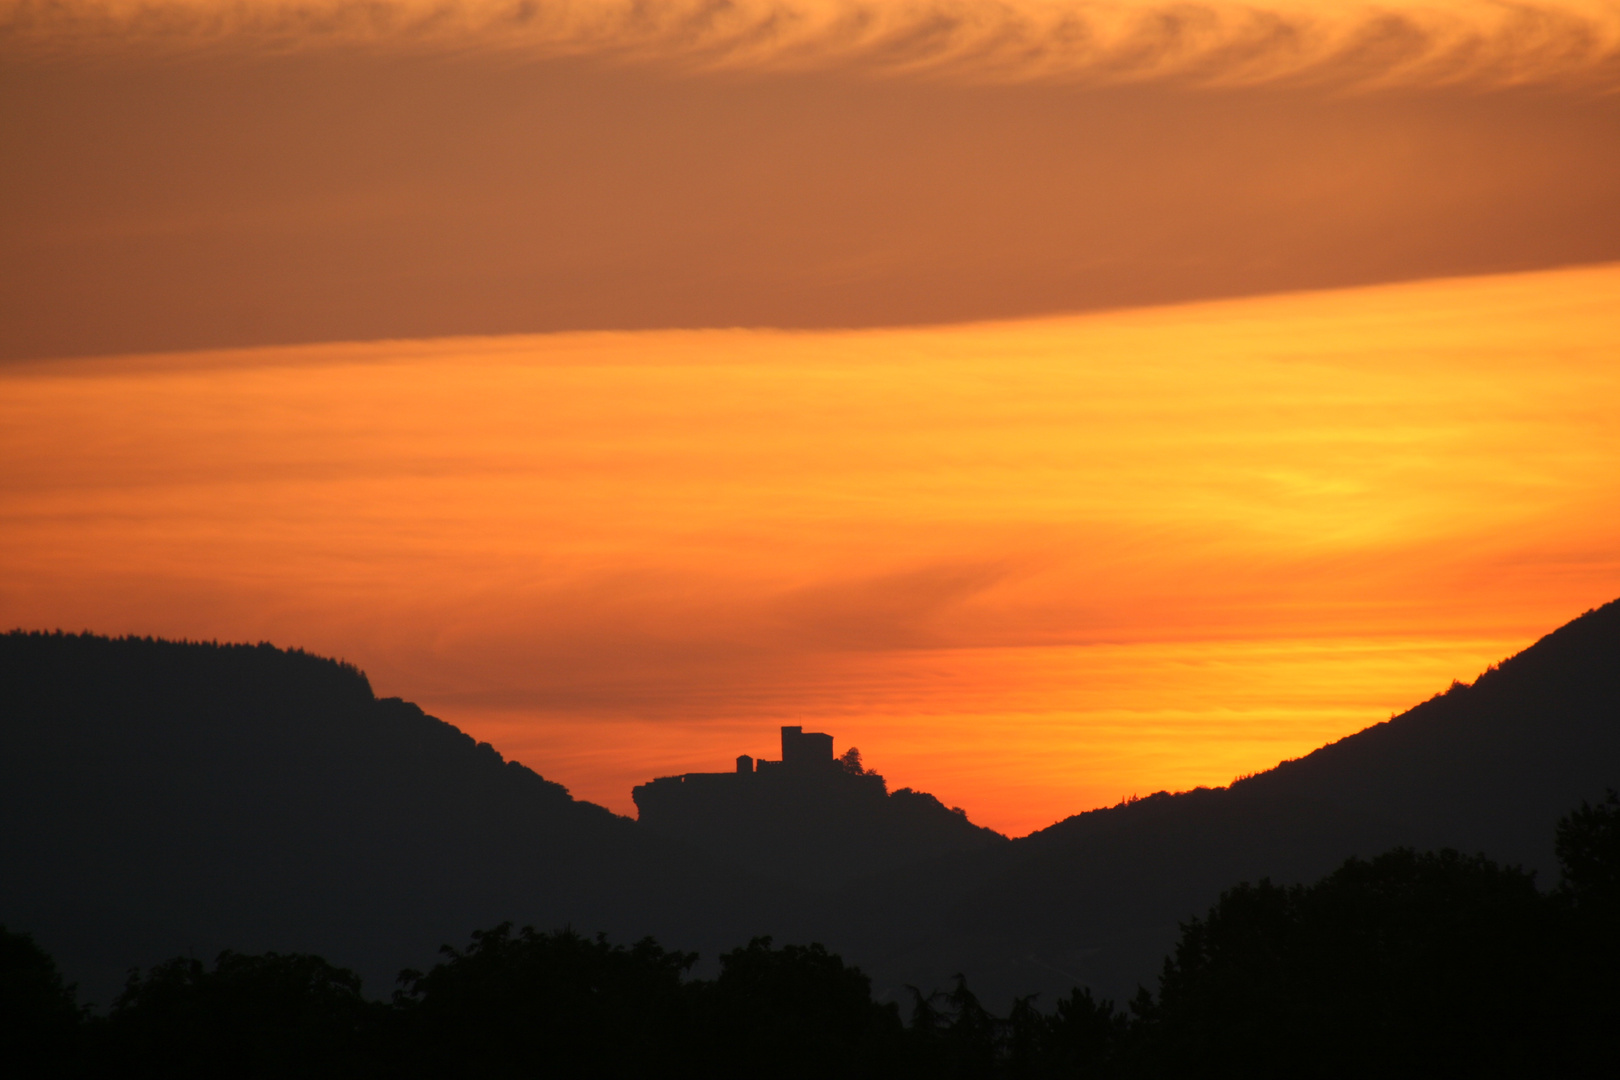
(1411, 42)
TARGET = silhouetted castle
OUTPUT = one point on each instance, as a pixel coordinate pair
(810, 817)
(804, 753)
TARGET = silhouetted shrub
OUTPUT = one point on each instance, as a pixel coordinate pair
(273, 1015)
(1589, 855)
(39, 1018)
(1083, 1038)
(537, 1004)
(795, 1011)
(1407, 965)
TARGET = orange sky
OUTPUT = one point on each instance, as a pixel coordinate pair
(1030, 566)
(203, 175)
(1134, 393)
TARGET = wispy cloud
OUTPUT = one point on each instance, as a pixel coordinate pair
(1407, 42)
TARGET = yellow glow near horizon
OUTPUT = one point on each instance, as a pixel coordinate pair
(1029, 566)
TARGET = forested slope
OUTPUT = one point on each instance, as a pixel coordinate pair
(160, 798)
(1096, 899)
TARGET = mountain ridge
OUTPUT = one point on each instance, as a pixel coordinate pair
(146, 818)
(147, 809)
(1096, 898)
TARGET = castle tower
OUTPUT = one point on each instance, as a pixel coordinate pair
(803, 749)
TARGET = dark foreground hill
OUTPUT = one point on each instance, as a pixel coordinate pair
(160, 798)
(1096, 899)
(1421, 965)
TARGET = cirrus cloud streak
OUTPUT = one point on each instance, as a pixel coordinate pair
(1410, 42)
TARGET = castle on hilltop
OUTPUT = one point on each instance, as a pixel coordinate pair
(808, 818)
(801, 751)
(804, 754)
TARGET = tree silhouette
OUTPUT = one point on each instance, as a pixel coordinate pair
(39, 1017)
(1588, 848)
(1589, 893)
(1405, 965)
(797, 1011)
(529, 1003)
(1409, 964)
(271, 1015)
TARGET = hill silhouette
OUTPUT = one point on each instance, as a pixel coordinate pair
(1096, 899)
(165, 797)
(1411, 964)
(160, 798)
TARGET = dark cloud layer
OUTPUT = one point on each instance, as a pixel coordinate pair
(231, 200)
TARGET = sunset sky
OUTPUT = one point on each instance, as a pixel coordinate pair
(1056, 400)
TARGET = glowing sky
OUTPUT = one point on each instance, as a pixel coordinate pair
(1030, 566)
(1134, 394)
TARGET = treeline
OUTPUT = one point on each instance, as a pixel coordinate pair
(1410, 964)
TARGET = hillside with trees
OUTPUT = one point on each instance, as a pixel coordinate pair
(1096, 899)
(160, 799)
(1409, 964)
